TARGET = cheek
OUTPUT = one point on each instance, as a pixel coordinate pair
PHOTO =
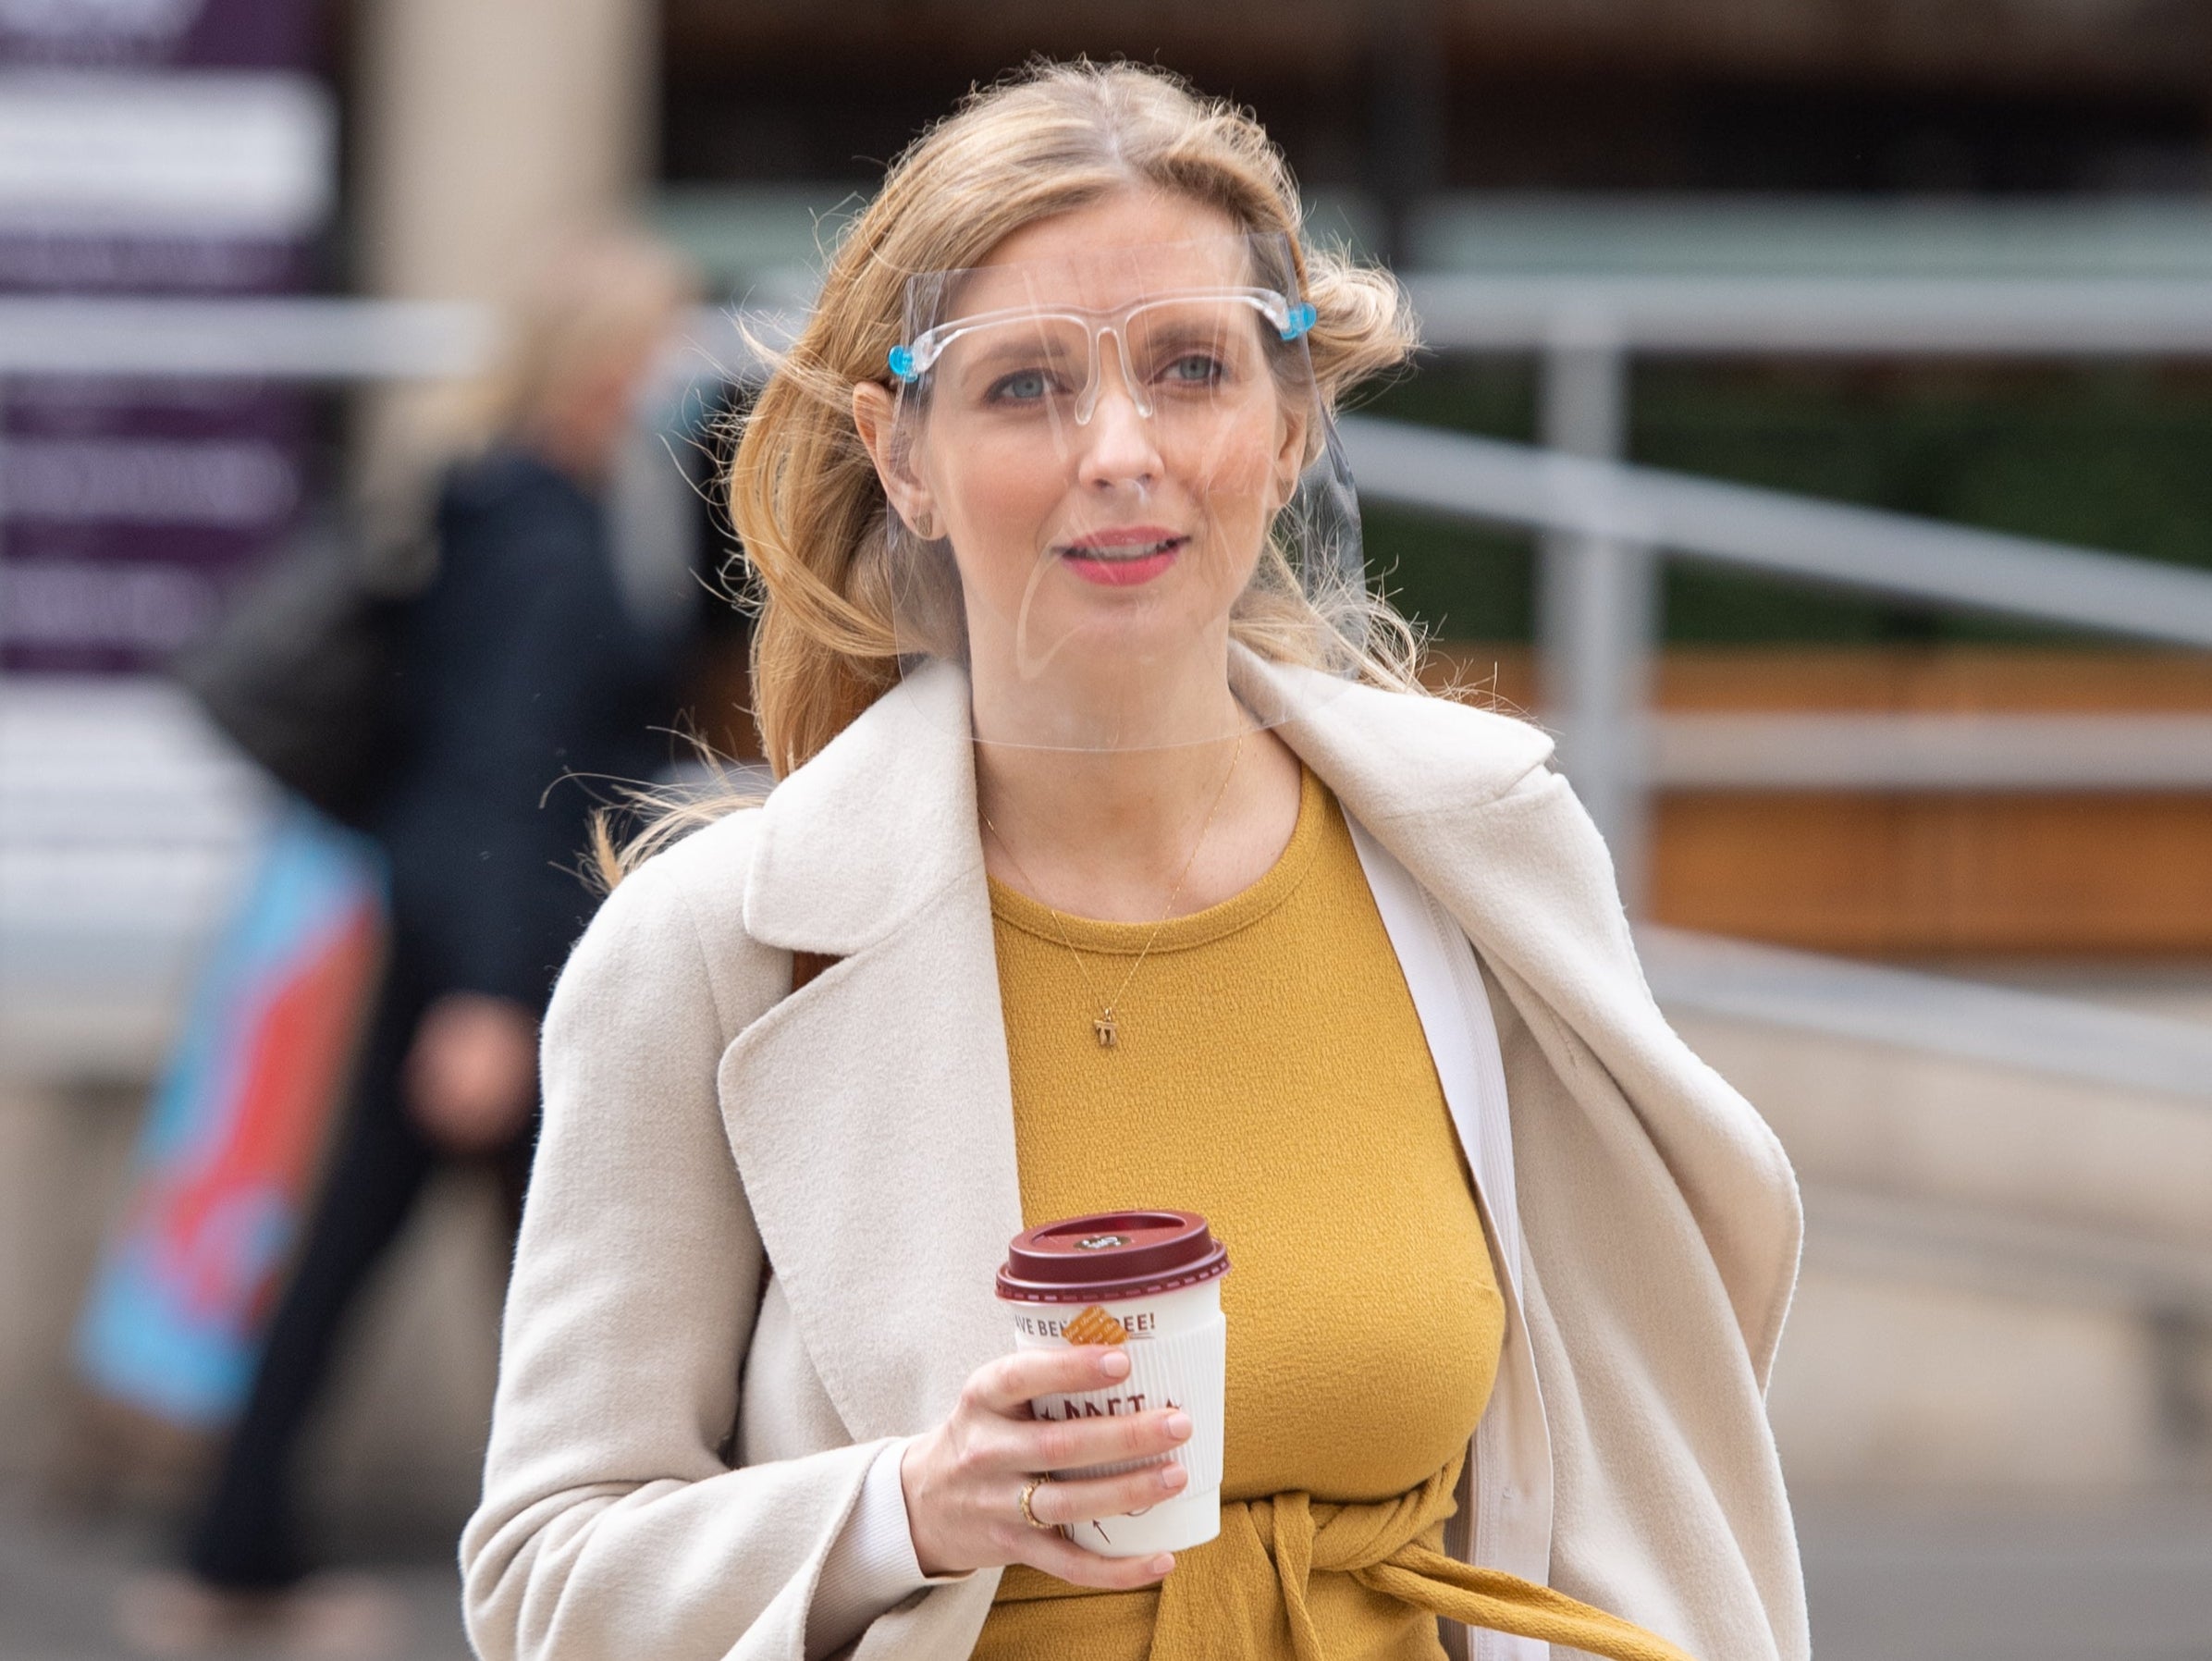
(1244, 460)
(1239, 485)
(1009, 503)
(997, 517)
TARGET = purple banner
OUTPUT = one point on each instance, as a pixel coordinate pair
(227, 34)
(133, 509)
(151, 147)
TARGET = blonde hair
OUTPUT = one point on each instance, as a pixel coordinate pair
(597, 294)
(805, 497)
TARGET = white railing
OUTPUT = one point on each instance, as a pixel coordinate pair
(1602, 526)
(1603, 523)
(292, 338)
(1597, 589)
(1816, 316)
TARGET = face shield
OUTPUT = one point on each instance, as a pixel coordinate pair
(1112, 482)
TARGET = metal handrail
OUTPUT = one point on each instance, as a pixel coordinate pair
(1918, 751)
(344, 337)
(316, 339)
(2035, 317)
(310, 338)
(1935, 1015)
(1499, 483)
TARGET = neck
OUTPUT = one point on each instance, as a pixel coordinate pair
(584, 451)
(1107, 834)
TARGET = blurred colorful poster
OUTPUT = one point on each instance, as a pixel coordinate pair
(229, 1154)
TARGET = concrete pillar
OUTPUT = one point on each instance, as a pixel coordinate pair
(486, 128)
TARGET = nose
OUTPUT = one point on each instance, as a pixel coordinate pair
(1119, 445)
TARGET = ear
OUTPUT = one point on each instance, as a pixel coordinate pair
(873, 412)
(1290, 451)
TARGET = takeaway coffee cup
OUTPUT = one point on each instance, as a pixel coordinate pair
(1151, 1283)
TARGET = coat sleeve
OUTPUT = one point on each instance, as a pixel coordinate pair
(611, 1526)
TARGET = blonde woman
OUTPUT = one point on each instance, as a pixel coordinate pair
(1116, 860)
(517, 664)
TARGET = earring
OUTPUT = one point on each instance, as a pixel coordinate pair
(925, 526)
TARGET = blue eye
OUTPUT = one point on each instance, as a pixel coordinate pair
(1195, 369)
(1023, 385)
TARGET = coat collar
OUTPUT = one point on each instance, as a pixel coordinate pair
(852, 845)
(866, 835)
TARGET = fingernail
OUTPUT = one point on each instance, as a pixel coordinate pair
(1162, 1563)
(1115, 1364)
(1173, 1476)
(1178, 1426)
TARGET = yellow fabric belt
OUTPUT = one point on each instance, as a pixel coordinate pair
(1243, 1597)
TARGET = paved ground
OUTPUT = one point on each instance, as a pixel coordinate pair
(58, 1584)
(2131, 1584)
(2122, 1584)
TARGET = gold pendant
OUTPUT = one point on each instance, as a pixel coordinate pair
(1102, 1023)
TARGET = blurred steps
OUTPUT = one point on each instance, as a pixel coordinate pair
(2007, 1272)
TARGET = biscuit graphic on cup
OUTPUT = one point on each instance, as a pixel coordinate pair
(1094, 1325)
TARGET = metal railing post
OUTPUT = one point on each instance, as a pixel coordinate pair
(1597, 603)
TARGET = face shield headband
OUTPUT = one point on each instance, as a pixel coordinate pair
(1116, 497)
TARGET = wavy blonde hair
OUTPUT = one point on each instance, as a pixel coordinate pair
(805, 499)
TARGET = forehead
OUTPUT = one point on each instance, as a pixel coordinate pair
(1106, 256)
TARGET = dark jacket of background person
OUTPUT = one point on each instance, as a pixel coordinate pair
(522, 666)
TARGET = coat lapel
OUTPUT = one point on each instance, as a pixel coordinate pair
(1525, 874)
(870, 1110)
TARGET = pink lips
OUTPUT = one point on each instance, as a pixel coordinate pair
(1098, 558)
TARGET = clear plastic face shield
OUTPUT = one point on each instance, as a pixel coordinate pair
(1112, 482)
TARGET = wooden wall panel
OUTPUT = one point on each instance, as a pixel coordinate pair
(1941, 875)
(1921, 874)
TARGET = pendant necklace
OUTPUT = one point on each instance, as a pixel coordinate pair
(1106, 1024)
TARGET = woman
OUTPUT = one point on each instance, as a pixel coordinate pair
(1153, 881)
(520, 665)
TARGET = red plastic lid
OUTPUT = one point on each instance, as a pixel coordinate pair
(1110, 1255)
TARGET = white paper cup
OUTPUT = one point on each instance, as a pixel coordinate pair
(1149, 1282)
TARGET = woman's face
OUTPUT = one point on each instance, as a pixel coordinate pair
(1106, 458)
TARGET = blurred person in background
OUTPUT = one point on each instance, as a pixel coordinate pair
(520, 665)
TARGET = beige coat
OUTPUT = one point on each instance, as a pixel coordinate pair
(675, 1447)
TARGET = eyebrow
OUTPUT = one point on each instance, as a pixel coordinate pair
(1029, 348)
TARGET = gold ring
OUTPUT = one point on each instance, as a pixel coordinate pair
(1031, 1516)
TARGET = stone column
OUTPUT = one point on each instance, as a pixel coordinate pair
(485, 129)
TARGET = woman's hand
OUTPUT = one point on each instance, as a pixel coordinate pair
(472, 1071)
(963, 1480)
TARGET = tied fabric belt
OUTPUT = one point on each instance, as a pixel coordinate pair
(1243, 1597)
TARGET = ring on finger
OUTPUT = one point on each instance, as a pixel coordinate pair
(1030, 1490)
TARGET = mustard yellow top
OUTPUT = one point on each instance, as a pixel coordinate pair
(1269, 1072)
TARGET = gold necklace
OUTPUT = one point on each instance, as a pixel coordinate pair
(1106, 1025)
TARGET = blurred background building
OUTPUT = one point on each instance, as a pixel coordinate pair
(1886, 657)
